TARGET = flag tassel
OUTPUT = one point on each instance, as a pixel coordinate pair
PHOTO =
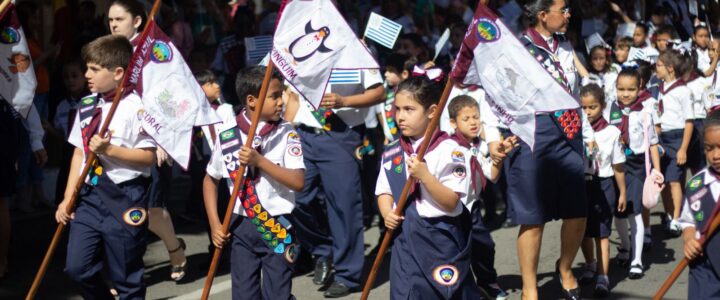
(400, 208)
(88, 163)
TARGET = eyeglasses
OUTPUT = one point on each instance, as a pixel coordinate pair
(564, 11)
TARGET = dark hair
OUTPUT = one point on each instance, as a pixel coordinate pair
(666, 29)
(712, 120)
(642, 26)
(629, 72)
(625, 42)
(414, 38)
(533, 7)
(460, 102)
(410, 64)
(205, 76)
(674, 59)
(249, 81)
(595, 91)
(607, 57)
(424, 91)
(108, 51)
(25, 11)
(645, 70)
(74, 62)
(395, 62)
(700, 27)
(134, 8)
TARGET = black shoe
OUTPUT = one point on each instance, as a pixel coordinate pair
(322, 272)
(337, 290)
(571, 294)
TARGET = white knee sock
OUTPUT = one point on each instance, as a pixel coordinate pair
(621, 224)
(637, 229)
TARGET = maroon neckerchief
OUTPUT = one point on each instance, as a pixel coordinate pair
(599, 124)
(244, 125)
(636, 106)
(539, 40)
(94, 125)
(664, 91)
(407, 146)
(475, 167)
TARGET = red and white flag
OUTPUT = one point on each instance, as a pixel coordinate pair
(311, 40)
(173, 100)
(517, 85)
(17, 76)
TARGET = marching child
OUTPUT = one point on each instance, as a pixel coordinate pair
(110, 219)
(263, 239)
(632, 114)
(395, 72)
(699, 209)
(433, 242)
(622, 50)
(602, 71)
(676, 123)
(464, 112)
(605, 190)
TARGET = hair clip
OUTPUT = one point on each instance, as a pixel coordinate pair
(434, 74)
(633, 65)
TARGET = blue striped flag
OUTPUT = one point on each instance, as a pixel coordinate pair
(257, 47)
(382, 30)
(345, 77)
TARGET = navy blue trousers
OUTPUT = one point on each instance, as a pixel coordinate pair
(251, 256)
(97, 234)
(482, 257)
(333, 230)
(703, 283)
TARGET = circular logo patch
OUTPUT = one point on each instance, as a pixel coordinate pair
(135, 216)
(695, 206)
(9, 35)
(140, 114)
(161, 52)
(487, 30)
(446, 275)
(295, 150)
(290, 253)
(459, 172)
(256, 141)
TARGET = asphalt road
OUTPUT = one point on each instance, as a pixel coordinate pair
(32, 234)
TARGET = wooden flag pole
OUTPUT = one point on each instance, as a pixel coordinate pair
(89, 161)
(4, 5)
(684, 262)
(238, 179)
(400, 208)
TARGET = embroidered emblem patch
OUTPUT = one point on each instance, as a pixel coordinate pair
(694, 183)
(135, 216)
(459, 172)
(699, 216)
(695, 206)
(256, 141)
(161, 52)
(291, 253)
(697, 196)
(458, 156)
(294, 150)
(9, 35)
(398, 169)
(487, 30)
(446, 275)
(615, 115)
(293, 137)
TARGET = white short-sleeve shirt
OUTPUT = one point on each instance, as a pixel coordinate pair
(227, 116)
(686, 216)
(282, 147)
(126, 130)
(446, 163)
(610, 151)
(698, 88)
(677, 106)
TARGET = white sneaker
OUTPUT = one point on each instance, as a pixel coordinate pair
(674, 228)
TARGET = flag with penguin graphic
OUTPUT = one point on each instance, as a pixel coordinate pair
(17, 76)
(517, 85)
(311, 40)
(173, 101)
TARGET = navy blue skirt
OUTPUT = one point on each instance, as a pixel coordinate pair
(602, 202)
(431, 258)
(671, 142)
(548, 182)
(703, 282)
(634, 182)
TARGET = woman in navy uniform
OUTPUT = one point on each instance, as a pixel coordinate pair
(547, 182)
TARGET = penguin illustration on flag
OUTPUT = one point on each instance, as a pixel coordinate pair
(313, 41)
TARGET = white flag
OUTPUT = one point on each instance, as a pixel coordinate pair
(382, 30)
(173, 101)
(441, 42)
(311, 40)
(17, 76)
(517, 85)
(256, 48)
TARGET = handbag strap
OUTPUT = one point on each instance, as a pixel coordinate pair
(646, 142)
